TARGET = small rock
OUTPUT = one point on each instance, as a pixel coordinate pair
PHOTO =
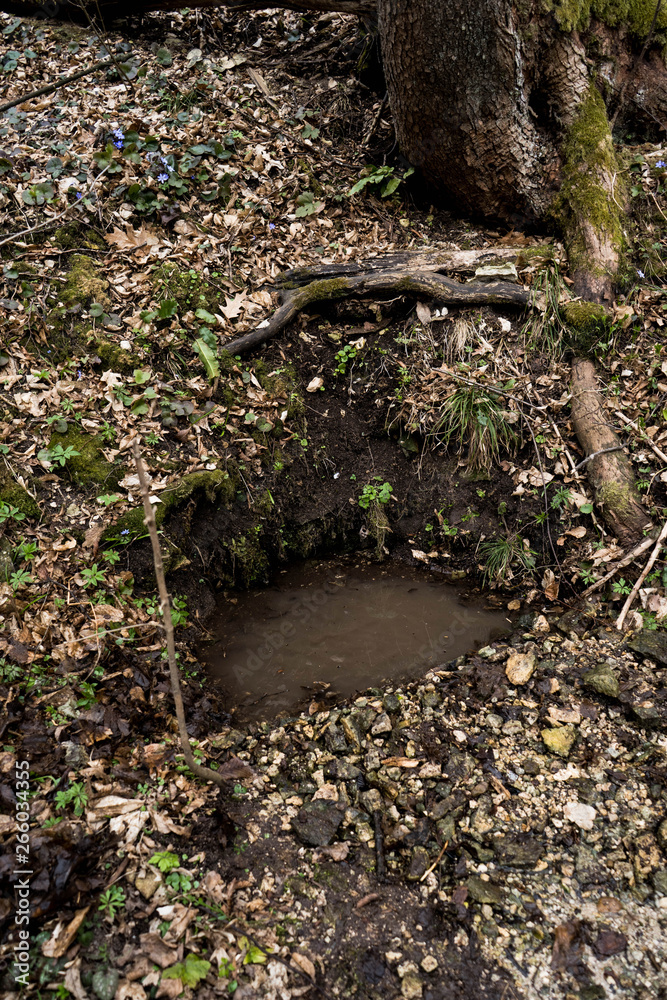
(531, 767)
(512, 727)
(147, 884)
(660, 881)
(650, 644)
(76, 756)
(429, 964)
(588, 865)
(418, 864)
(411, 987)
(317, 822)
(382, 724)
(485, 892)
(661, 834)
(486, 651)
(560, 741)
(351, 731)
(371, 800)
(581, 815)
(520, 667)
(390, 703)
(602, 679)
(575, 621)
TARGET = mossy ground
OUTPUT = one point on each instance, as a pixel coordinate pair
(88, 467)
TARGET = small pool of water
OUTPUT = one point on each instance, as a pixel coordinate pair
(328, 629)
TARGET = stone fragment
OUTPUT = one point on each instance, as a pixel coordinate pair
(418, 864)
(580, 814)
(559, 741)
(520, 667)
(518, 850)
(350, 728)
(485, 892)
(316, 823)
(660, 881)
(661, 834)
(602, 679)
(411, 987)
(147, 884)
(429, 964)
(381, 725)
(650, 644)
(588, 865)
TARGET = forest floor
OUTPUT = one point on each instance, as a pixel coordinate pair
(496, 829)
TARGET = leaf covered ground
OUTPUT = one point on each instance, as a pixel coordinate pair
(145, 213)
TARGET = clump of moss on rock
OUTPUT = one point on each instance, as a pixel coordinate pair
(88, 466)
(587, 322)
(116, 358)
(74, 236)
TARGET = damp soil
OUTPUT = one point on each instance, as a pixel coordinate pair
(336, 627)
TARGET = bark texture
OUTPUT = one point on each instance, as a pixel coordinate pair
(610, 474)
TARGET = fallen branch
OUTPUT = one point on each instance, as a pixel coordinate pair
(61, 82)
(396, 282)
(645, 572)
(629, 557)
(233, 768)
(603, 451)
(631, 423)
(608, 470)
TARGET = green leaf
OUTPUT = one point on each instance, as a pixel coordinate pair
(254, 956)
(207, 357)
(140, 377)
(587, 508)
(164, 57)
(168, 308)
(390, 186)
(205, 315)
(165, 860)
(190, 972)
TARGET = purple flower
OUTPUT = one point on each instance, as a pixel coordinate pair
(640, 273)
(118, 143)
(272, 225)
(118, 132)
(79, 375)
(661, 164)
(79, 195)
(162, 178)
(125, 531)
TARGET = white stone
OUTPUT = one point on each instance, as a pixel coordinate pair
(580, 814)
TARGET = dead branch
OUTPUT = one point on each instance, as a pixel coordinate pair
(645, 438)
(609, 471)
(233, 768)
(395, 282)
(60, 82)
(629, 557)
(642, 576)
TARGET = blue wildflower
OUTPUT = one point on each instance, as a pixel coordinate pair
(79, 375)
(640, 273)
(661, 164)
(272, 225)
(118, 132)
(118, 143)
(167, 165)
(125, 531)
(162, 178)
(79, 195)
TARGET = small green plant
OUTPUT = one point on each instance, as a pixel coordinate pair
(499, 555)
(10, 513)
(59, 455)
(21, 578)
(474, 415)
(26, 551)
(382, 177)
(75, 796)
(91, 576)
(343, 357)
(372, 494)
(560, 497)
(179, 611)
(165, 861)
(112, 900)
(621, 587)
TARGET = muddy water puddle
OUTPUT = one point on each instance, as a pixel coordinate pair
(330, 629)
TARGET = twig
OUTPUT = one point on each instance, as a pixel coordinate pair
(62, 82)
(54, 218)
(631, 423)
(436, 862)
(376, 121)
(625, 561)
(604, 451)
(225, 772)
(645, 572)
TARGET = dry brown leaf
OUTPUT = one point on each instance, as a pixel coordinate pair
(62, 936)
(299, 961)
(131, 239)
(157, 950)
(550, 585)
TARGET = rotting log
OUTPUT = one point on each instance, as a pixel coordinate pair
(436, 287)
(432, 260)
(610, 475)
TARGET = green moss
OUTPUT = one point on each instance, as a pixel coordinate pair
(13, 493)
(190, 289)
(576, 15)
(114, 357)
(589, 162)
(250, 564)
(587, 318)
(74, 236)
(616, 496)
(84, 284)
(89, 466)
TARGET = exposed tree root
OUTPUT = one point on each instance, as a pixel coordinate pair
(434, 286)
(609, 473)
